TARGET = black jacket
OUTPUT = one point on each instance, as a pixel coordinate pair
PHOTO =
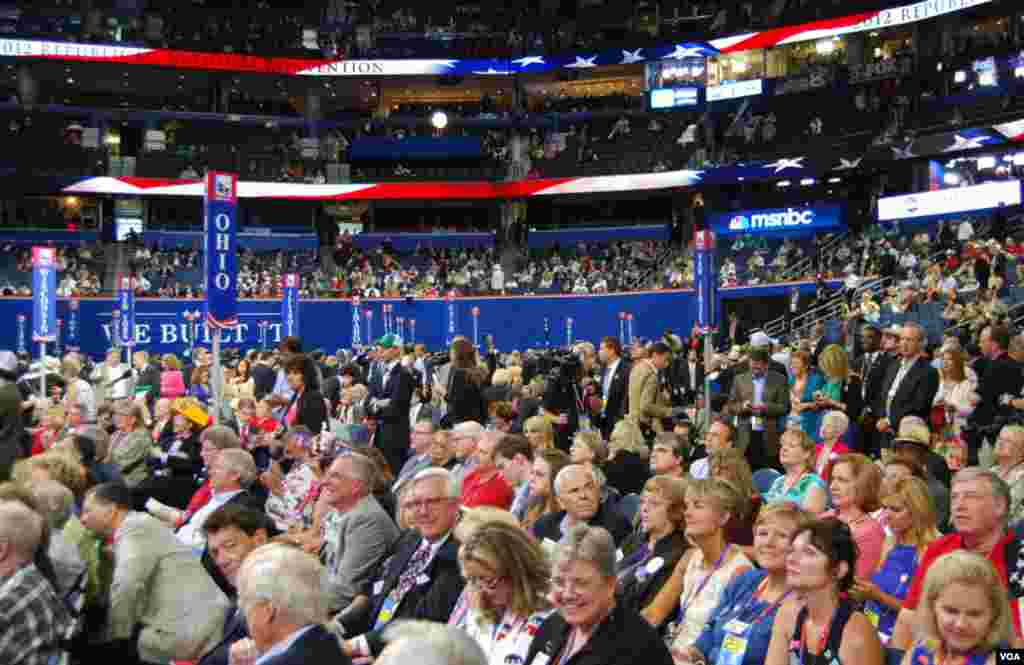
(627, 472)
(235, 629)
(465, 399)
(872, 375)
(317, 645)
(433, 600)
(638, 586)
(549, 527)
(393, 419)
(618, 397)
(998, 377)
(623, 638)
(914, 395)
(263, 380)
(309, 410)
(150, 376)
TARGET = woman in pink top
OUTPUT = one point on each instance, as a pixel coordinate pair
(856, 483)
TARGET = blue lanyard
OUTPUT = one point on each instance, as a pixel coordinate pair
(700, 587)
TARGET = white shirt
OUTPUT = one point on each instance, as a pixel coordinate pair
(701, 469)
(191, 534)
(965, 231)
(608, 378)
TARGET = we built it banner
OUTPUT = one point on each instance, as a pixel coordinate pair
(221, 224)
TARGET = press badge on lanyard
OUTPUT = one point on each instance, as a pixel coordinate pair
(734, 645)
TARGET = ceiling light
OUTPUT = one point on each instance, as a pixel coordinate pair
(439, 120)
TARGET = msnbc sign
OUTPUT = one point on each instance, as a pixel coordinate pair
(788, 220)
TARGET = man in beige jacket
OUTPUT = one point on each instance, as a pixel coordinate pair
(648, 404)
(161, 596)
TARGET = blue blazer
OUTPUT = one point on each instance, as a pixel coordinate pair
(235, 630)
(735, 604)
(316, 645)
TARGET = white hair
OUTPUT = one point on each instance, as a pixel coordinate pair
(451, 483)
(469, 428)
(241, 462)
(287, 578)
(598, 480)
(429, 643)
(21, 528)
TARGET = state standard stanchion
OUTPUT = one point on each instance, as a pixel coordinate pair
(44, 305)
(707, 297)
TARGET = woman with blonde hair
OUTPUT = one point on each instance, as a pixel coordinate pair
(965, 612)
(540, 433)
(59, 465)
(172, 383)
(912, 520)
(701, 575)
(842, 391)
(627, 468)
(507, 581)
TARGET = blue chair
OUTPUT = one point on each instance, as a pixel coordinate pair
(764, 478)
(628, 506)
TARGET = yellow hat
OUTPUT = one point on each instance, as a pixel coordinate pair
(191, 409)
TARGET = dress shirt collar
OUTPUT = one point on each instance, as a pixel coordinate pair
(283, 645)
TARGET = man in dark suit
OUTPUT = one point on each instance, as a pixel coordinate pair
(263, 376)
(579, 492)
(232, 532)
(999, 381)
(280, 591)
(421, 579)
(391, 402)
(691, 375)
(910, 383)
(759, 398)
(818, 341)
(871, 367)
(148, 376)
(614, 384)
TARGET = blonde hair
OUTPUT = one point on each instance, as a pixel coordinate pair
(806, 443)
(913, 493)
(724, 495)
(834, 362)
(626, 436)
(977, 572)
(508, 551)
(171, 361)
(785, 510)
(501, 377)
(542, 425)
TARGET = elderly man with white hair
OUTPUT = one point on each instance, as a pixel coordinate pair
(230, 473)
(280, 592)
(421, 579)
(429, 643)
(463, 440)
(578, 489)
(33, 620)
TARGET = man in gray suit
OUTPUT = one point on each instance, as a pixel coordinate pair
(160, 588)
(422, 438)
(358, 533)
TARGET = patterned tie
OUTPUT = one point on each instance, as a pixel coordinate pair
(413, 569)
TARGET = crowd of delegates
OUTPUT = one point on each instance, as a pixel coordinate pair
(299, 506)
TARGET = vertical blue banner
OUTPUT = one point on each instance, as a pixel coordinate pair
(58, 344)
(450, 301)
(221, 223)
(73, 330)
(290, 306)
(357, 333)
(44, 294)
(126, 303)
(705, 280)
(22, 345)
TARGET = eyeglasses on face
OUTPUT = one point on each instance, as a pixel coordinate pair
(483, 583)
(426, 504)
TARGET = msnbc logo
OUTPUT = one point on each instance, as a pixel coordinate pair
(739, 223)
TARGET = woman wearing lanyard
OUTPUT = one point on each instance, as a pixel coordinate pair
(911, 518)
(655, 551)
(966, 614)
(703, 573)
(819, 627)
(742, 625)
(507, 579)
(589, 627)
(856, 484)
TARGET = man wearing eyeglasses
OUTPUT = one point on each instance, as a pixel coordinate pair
(421, 579)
